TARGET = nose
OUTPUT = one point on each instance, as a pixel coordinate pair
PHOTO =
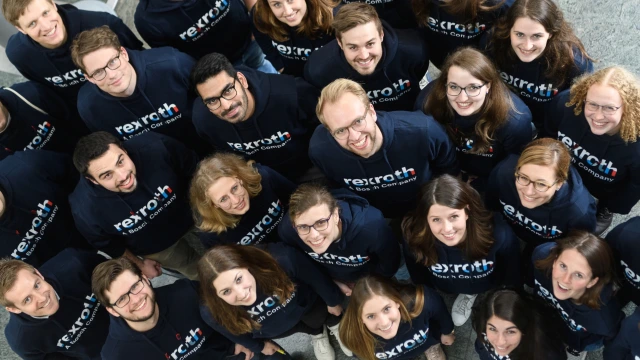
(528, 44)
(235, 199)
(226, 104)
(502, 340)
(287, 9)
(566, 278)
(463, 95)
(598, 114)
(448, 226)
(353, 134)
(363, 53)
(123, 174)
(111, 74)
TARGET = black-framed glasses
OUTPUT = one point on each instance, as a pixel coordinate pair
(470, 90)
(606, 109)
(539, 186)
(135, 290)
(213, 103)
(319, 225)
(357, 125)
(113, 64)
(236, 190)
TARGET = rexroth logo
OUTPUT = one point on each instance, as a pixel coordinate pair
(399, 350)
(151, 120)
(80, 326)
(149, 210)
(45, 132)
(274, 141)
(397, 89)
(265, 225)
(25, 248)
(588, 162)
(547, 231)
(632, 277)
(292, 51)
(332, 259)
(188, 345)
(206, 21)
(548, 296)
(70, 78)
(530, 90)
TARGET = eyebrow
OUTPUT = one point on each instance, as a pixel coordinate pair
(368, 41)
(117, 161)
(510, 327)
(229, 85)
(234, 280)
(537, 180)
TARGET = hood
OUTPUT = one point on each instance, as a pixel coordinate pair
(160, 6)
(571, 193)
(353, 210)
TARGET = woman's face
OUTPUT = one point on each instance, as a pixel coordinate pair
(318, 227)
(381, 316)
(528, 39)
(236, 287)
(603, 99)
(571, 275)
(463, 103)
(503, 335)
(447, 224)
(539, 177)
(290, 12)
(229, 194)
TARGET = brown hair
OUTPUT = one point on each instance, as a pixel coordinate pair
(307, 196)
(353, 332)
(209, 217)
(89, 41)
(467, 10)
(13, 9)
(627, 86)
(598, 255)
(355, 14)
(270, 279)
(335, 90)
(106, 273)
(547, 152)
(454, 193)
(494, 112)
(9, 269)
(316, 21)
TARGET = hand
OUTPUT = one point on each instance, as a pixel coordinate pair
(471, 178)
(281, 70)
(150, 268)
(248, 354)
(270, 348)
(448, 339)
(335, 310)
(343, 287)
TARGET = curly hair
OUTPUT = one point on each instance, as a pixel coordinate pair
(467, 10)
(316, 21)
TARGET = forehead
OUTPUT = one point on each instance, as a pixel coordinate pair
(461, 76)
(538, 172)
(375, 304)
(214, 85)
(107, 161)
(226, 278)
(221, 187)
(500, 323)
(605, 93)
(360, 34)
(121, 285)
(343, 112)
(528, 25)
(34, 10)
(98, 59)
(575, 261)
(22, 286)
(313, 214)
(441, 210)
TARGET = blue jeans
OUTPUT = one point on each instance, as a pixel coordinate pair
(595, 346)
(254, 58)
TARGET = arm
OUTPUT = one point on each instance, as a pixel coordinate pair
(437, 310)
(150, 268)
(442, 151)
(307, 100)
(264, 42)
(184, 159)
(509, 253)
(247, 340)
(418, 272)
(57, 167)
(626, 196)
(282, 186)
(306, 271)
(46, 99)
(385, 248)
(519, 132)
(492, 193)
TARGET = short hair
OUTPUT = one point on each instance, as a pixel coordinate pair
(92, 147)
(89, 41)
(13, 9)
(9, 269)
(209, 66)
(547, 152)
(334, 91)
(355, 14)
(106, 273)
(309, 195)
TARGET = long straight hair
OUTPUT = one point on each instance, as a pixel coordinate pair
(316, 22)
(467, 10)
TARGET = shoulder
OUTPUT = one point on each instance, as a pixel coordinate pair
(17, 47)
(542, 251)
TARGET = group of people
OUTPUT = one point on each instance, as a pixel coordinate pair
(296, 166)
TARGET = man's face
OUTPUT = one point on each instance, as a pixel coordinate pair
(111, 71)
(42, 23)
(32, 295)
(139, 307)
(362, 47)
(226, 97)
(114, 171)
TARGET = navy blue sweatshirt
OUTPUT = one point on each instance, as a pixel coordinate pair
(625, 346)
(276, 316)
(572, 207)
(266, 211)
(79, 327)
(394, 83)
(454, 274)
(511, 138)
(397, 13)
(610, 168)
(623, 240)
(584, 325)
(180, 332)
(195, 27)
(28, 128)
(415, 148)
(485, 351)
(367, 244)
(37, 221)
(152, 217)
(277, 134)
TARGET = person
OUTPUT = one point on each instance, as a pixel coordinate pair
(510, 325)
(52, 310)
(452, 243)
(130, 92)
(254, 295)
(623, 240)
(450, 25)
(483, 118)
(132, 200)
(388, 63)
(575, 276)
(604, 142)
(265, 117)
(236, 201)
(387, 320)
(341, 232)
(290, 31)
(625, 345)
(382, 156)
(397, 13)
(537, 53)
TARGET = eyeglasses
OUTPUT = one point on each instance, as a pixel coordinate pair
(319, 225)
(606, 109)
(357, 125)
(135, 290)
(236, 190)
(470, 90)
(537, 185)
(213, 103)
(101, 73)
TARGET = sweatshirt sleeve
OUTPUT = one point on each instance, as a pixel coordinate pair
(306, 271)
(57, 167)
(418, 272)
(46, 99)
(246, 340)
(438, 310)
(184, 159)
(386, 249)
(492, 192)
(509, 253)
(626, 196)
(148, 32)
(554, 112)
(282, 186)
(264, 42)
(114, 247)
(620, 347)
(442, 151)
(307, 100)
(588, 220)
(519, 132)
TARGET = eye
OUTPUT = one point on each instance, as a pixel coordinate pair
(121, 161)
(37, 285)
(386, 309)
(225, 292)
(45, 13)
(32, 24)
(579, 276)
(275, 5)
(435, 219)
(369, 317)
(455, 216)
(27, 300)
(352, 47)
(562, 266)
(121, 299)
(474, 88)
(228, 91)
(239, 280)
(224, 199)
(491, 328)
(358, 122)
(511, 332)
(234, 189)
(112, 62)
(609, 108)
(537, 36)
(339, 132)
(454, 87)
(106, 176)
(370, 44)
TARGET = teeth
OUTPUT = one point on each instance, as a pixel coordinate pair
(47, 304)
(361, 142)
(562, 287)
(528, 198)
(464, 104)
(365, 62)
(141, 305)
(388, 327)
(50, 32)
(317, 242)
(527, 51)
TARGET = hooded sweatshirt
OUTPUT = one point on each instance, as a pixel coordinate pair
(625, 346)
(366, 244)
(397, 13)
(485, 351)
(584, 325)
(37, 221)
(610, 168)
(277, 134)
(179, 334)
(195, 27)
(455, 274)
(80, 325)
(571, 207)
(276, 316)
(394, 83)
(415, 149)
(28, 128)
(266, 210)
(152, 217)
(511, 138)
(623, 240)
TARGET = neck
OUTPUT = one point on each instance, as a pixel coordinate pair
(379, 140)
(142, 326)
(251, 105)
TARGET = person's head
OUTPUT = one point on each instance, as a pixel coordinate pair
(24, 290)
(315, 215)
(359, 34)
(611, 101)
(222, 89)
(345, 110)
(542, 169)
(38, 19)
(310, 18)
(104, 62)
(101, 159)
(580, 266)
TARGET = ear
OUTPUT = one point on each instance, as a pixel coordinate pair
(374, 116)
(111, 311)
(124, 53)
(91, 179)
(243, 80)
(593, 282)
(381, 35)
(488, 85)
(38, 273)
(559, 185)
(339, 42)
(11, 309)
(20, 29)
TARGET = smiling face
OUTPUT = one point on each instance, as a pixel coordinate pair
(447, 224)
(42, 23)
(229, 194)
(319, 240)
(362, 47)
(571, 275)
(32, 295)
(464, 104)
(141, 306)
(290, 12)
(381, 316)
(114, 171)
(599, 122)
(120, 82)
(503, 335)
(528, 39)
(240, 107)
(529, 196)
(237, 287)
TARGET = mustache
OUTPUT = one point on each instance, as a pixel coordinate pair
(231, 108)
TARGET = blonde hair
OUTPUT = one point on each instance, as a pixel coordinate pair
(335, 90)
(9, 269)
(13, 9)
(547, 152)
(355, 14)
